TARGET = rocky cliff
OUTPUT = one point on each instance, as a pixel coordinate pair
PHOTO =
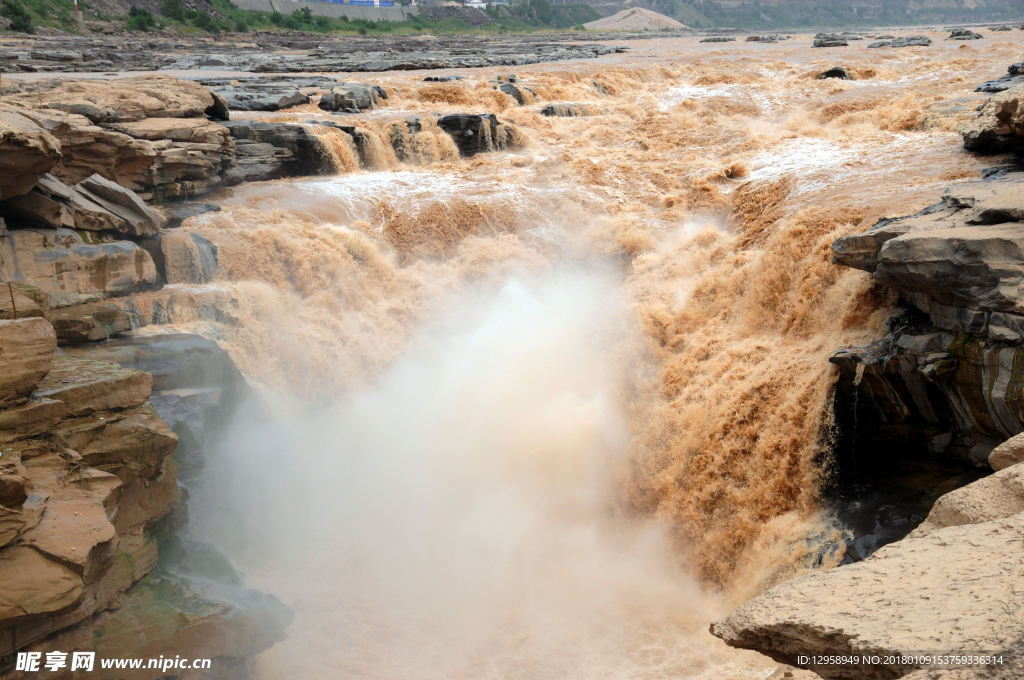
(99, 441)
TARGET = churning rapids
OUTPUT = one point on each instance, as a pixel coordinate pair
(546, 413)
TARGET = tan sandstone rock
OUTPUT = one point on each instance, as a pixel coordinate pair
(958, 588)
(1010, 452)
(993, 497)
(26, 152)
(26, 352)
(96, 321)
(115, 101)
(87, 386)
(73, 267)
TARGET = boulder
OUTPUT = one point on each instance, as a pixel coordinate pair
(717, 40)
(86, 386)
(911, 41)
(994, 497)
(352, 98)
(73, 267)
(21, 301)
(840, 72)
(829, 40)
(999, 125)
(124, 203)
(476, 133)
(571, 110)
(964, 34)
(26, 356)
(913, 596)
(177, 213)
(27, 151)
(1007, 454)
(91, 322)
(261, 97)
(271, 150)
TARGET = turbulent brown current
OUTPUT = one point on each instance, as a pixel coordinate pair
(545, 413)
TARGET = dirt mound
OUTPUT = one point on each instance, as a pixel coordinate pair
(636, 19)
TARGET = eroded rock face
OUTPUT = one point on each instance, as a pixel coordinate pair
(352, 98)
(116, 101)
(965, 252)
(26, 351)
(477, 133)
(72, 267)
(1010, 452)
(916, 595)
(27, 151)
(999, 125)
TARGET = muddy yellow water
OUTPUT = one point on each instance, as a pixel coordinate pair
(546, 413)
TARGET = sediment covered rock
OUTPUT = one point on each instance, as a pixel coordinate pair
(915, 596)
(999, 125)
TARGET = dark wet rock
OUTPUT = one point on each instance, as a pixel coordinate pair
(829, 40)
(475, 133)
(717, 39)
(912, 41)
(179, 212)
(571, 110)
(1013, 77)
(441, 79)
(964, 34)
(836, 72)
(765, 38)
(266, 151)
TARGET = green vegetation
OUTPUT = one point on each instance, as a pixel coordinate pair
(21, 20)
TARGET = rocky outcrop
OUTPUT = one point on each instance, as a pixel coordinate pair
(571, 110)
(91, 322)
(913, 597)
(477, 133)
(994, 497)
(964, 34)
(291, 52)
(26, 153)
(26, 348)
(352, 98)
(1010, 452)
(271, 150)
(999, 125)
(840, 72)
(74, 267)
(87, 488)
(1012, 78)
(829, 40)
(910, 41)
(717, 39)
